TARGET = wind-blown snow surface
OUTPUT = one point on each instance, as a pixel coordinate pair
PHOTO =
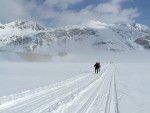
(133, 81)
(74, 95)
(16, 77)
(120, 87)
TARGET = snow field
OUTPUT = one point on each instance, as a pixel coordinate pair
(86, 93)
(133, 81)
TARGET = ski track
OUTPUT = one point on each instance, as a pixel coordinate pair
(86, 93)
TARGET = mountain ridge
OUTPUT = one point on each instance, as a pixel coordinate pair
(27, 36)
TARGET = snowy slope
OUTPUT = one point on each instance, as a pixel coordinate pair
(26, 36)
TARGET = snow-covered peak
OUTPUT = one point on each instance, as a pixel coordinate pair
(27, 36)
(95, 24)
(141, 26)
(123, 25)
(25, 25)
(2, 26)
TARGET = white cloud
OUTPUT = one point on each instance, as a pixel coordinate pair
(57, 12)
(11, 10)
(63, 4)
(109, 12)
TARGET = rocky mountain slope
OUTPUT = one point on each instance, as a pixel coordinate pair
(27, 36)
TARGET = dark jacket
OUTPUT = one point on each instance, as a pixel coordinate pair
(97, 65)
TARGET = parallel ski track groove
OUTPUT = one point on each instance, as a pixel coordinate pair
(74, 93)
(98, 94)
(100, 86)
(101, 92)
(45, 95)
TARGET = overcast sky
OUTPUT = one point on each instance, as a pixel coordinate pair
(67, 12)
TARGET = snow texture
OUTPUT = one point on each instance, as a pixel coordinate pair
(73, 95)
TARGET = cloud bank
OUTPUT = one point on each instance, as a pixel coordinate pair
(59, 12)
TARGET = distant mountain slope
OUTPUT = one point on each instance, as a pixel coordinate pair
(27, 36)
(144, 41)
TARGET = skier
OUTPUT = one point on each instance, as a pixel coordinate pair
(97, 67)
